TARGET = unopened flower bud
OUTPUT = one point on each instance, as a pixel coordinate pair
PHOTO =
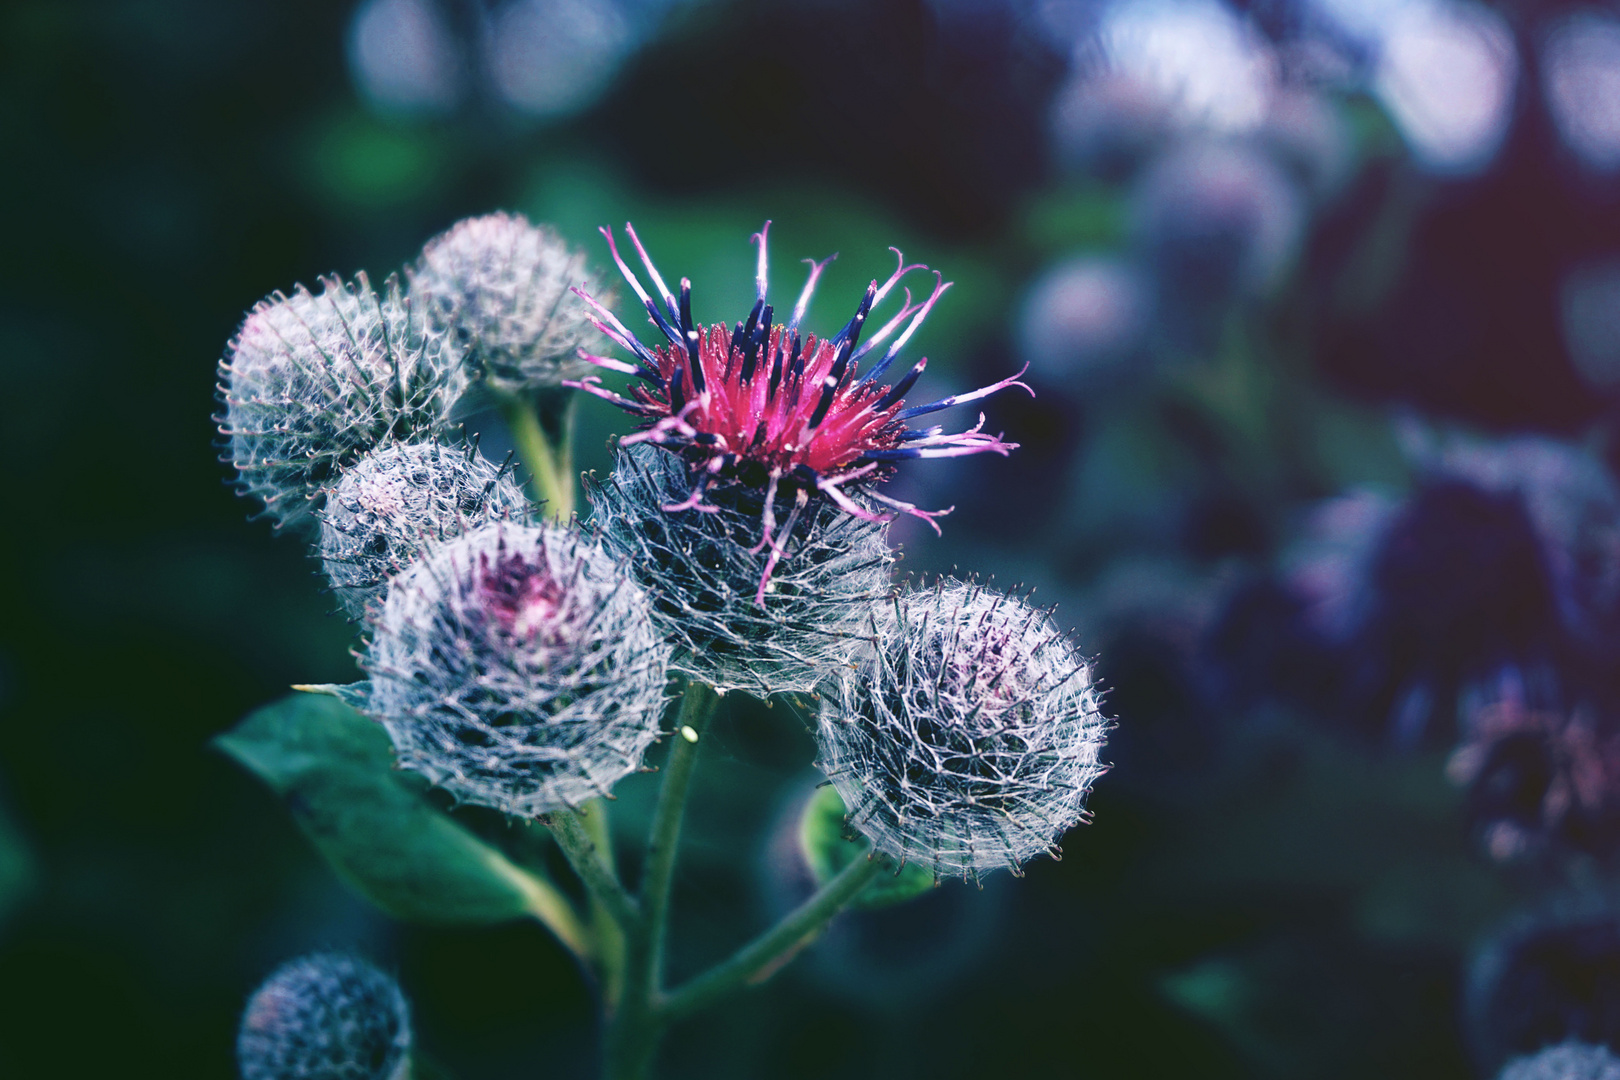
(968, 736)
(384, 507)
(312, 381)
(517, 667)
(822, 570)
(327, 1016)
(502, 288)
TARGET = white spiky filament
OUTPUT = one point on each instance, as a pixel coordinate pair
(517, 667)
(503, 288)
(968, 736)
(1568, 1061)
(322, 1016)
(702, 567)
(314, 380)
(383, 508)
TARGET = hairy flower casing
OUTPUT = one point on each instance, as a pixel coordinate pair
(517, 667)
(968, 736)
(382, 509)
(702, 570)
(314, 380)
(323, 1017)
(502, 288)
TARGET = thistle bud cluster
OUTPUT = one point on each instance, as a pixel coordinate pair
(703, 569)
(502, 288)
(327, 1016)
(313, 381)
(740, 541)
(518, 668)
(381, 511)
(968, 736)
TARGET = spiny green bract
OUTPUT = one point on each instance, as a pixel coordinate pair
(702, 569)
(382, 509)
(314, 380)
(967, 736)
(517, 667)
(502, 288)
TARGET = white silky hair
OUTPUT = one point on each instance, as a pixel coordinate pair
(517, 667)
(968, 736)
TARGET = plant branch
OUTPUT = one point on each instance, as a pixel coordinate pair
(760, 958)
(663, 840)
(587, 860)
(542, 429)
(608, 934)
(634, 1026)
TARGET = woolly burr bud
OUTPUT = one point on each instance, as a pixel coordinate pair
(822, 570)
(327, 1016)
(313, 381)
(967, 737)
(1568, 1061)
(376, 518)
(503, 289)
(517, 667)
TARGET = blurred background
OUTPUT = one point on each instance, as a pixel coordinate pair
(1321, 302)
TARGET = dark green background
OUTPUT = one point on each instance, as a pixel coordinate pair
(1281, 902)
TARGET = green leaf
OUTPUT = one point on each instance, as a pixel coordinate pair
(828, 850)
(335, 770)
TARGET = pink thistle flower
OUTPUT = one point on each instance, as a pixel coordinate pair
(766, 406)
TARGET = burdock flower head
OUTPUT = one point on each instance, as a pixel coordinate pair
(314, 380)
(517, 667)
(323, 1016)
(777, 436)
(502, 288)
(968, 737)
(384, 507)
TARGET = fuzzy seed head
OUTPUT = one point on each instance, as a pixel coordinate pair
(518, 667)
(1569, 1061)
(327, 1016)
(314, 380)
(967, 737)
(376, 518)
(501, 288)
(702, 569)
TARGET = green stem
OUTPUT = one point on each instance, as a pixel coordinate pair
(634, 1028)
(758, 960)
(542, 427)
(588, 862)
(697, 707)
(608, 934)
